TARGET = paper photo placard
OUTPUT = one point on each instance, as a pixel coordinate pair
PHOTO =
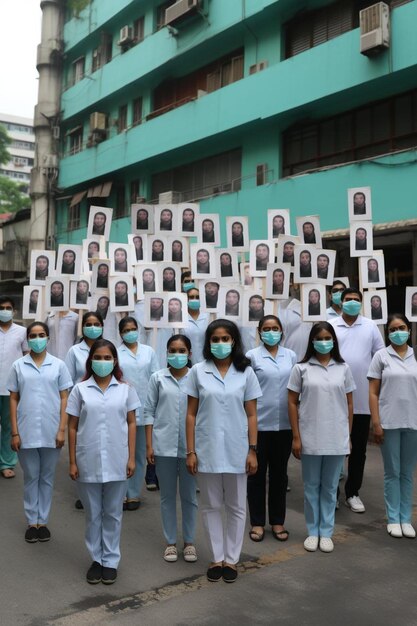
(42, 265)
(80, 293)
(147, 281)
(285, 248)
(69, 260)
(308, 229)
(230, 302)
(254, 308)
(100, 302)
(305, 271)
(278, 281)
(121, 294)
(57, 293)
(209, 296)
(361, 239)
(262, 252)
(187, 213)
(156, 310)
(177, 305)
(120, 255)
(32, 308)
(246, 279)
(203, 260)
(157, 248)
(313, 302)
(359, 204)
(227, 266)
(178, 250)
(100, 275)
(93, 249)
(372, 270)
(237, 233)
(99, 222)
(165, 219)
(138, 247)
(324, 261)
(278, 223)
(169, 276)
(208, 228)
(411, 303)
(142, 219)
(375, 305)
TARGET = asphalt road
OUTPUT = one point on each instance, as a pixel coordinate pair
(369, 579)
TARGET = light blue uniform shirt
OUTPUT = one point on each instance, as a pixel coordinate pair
(273, 374)
(38, 411)
(331, 314)
(221, 431)
(137, 370)
(76, 359)
(196, 332)
(12, 346)
(102, 438)
(166, 410)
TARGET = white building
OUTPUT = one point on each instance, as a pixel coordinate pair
(22, 148)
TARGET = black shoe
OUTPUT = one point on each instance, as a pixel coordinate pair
(94, 573)
(79, 505)
(229, 574)
(31, 534)
(44, 533)
(108, 575)
(214, 573)
(133, 505)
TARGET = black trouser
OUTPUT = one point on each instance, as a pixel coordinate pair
(357, 457)
(274, 449)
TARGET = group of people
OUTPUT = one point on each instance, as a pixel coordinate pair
(227, 410)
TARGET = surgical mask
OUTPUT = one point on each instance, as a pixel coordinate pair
(102, 368)
(324, 346)
(131, 336)
(194, 305)
(399, 337)
(351, 307)
(188, 286)
(177, 361)
(221, 350)
(5, 315)
(337, 298)
(92, 332)
(38, 344)
(271, 337)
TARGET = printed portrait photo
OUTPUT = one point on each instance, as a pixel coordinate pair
(230, 302)
(80, 293)
(375, 305)
(308, 229)
(138, 247)
(203, 260)
(146, 279)
(227, 266)
(69, 260)
(32, 302)
(209, 296)
(100, 275)
(254, 308)
(324, 262)
(169, 276)
(278, 223)
(208, 228)
(99, 222)
(411, 303)
(42, 265)
(92, 249)
(120, 255)
(359, 204)
(237, 232)
(100, 302)
(261, 253)
(278, 281)
(187, 215)
(157, 248)
(177, 310)
(313, 303)
(156, 310)
(361, 239)
(142, 219)
(121, 294)
(57, 294)
(305, 271)
(285, 249)
(372, 270)
(178, 250)
(165, 219)
(246, 279)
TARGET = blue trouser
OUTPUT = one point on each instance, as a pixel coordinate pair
(103, 505)
(8, 458)
(39, 465)
(399, 453)
(170, 471)
(135, 482)
(321, 478)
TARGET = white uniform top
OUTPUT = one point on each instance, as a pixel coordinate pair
(331, 314)
(358, 344)
(102, 439)
(250, 337)
(323, 409)
(38, 410)
(296, 332)
(12, 346)
(137, 370)
(62, 338)
(398, 392)
(273, 374)
(76, 359)
(166, 410)
(221, 431)
(196, 332)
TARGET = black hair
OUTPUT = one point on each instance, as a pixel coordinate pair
(256, 296)
(8, 300)
(336, 282)
(309, 223)
(397, 316)
(315, 291)
(95, 313)
(186, 274)
(267, 318)
(127, 320)
(306, 252)
(186, 341)
(69, 250)
(349, 290)
(317, 328)
(33, 324)
(239, 360)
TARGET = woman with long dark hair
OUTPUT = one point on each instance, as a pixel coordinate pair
(92, 329)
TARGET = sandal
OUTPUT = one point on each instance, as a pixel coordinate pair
(8, 473)
(256, 536)
(281, 535)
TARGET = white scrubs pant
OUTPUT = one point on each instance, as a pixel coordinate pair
(39, 465)
(228, 491)
(135, 482)
(103, 505)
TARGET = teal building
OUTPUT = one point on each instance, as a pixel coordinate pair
(244, 106)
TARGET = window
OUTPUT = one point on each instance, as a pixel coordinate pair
(78, 69)
(137, 111)
(160, 13)
(24, 145)
(120, 210)
(74, 216)
(138, 29)
(20, 128)
(96, 61)
(378, 128)
(134, 191)
(20, 162)
(122, 120)
(103, 53)
(76, 140)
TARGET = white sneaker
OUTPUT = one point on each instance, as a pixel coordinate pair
(311, 543)
(408, 531)
(190, 554)
(355, 504)
(326, 544)
(170, 554)
(394, 530)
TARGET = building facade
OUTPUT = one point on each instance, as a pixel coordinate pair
(21, 149)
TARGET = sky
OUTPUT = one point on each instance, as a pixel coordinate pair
(20, 34)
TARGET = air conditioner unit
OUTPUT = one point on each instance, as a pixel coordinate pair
(126, 35)
(56, 132)
(98, 121)
(169, 197)
(374, 27)
(258, 67)
(179, 10)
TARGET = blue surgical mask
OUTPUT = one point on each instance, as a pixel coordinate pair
(177, 361)
(92, 332)
(194, 305)
(399, 337)
(6, 315)
(221, 350)
(271, 337)
(188, 286)
(102, 368)
(324, 346)
(131, 336)
(351, 307)
(38, 344)
(337, 298)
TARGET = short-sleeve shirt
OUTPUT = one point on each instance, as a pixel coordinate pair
(12, 346)
(166, 410)
(38, 410)
(102, 437)
(296, 332)
(76, 359)
(137, 370)
(398, 392)
(273, 374)
(357, 344)
(323, 409)
(62, 333)
(221, 430)
(195, 330)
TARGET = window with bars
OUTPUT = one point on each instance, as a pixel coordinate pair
(122, 119)
(103, 53)
(160, 13)
(378, 128)
(74, 216)
(137, 111)
(76, 140)
(121, 209)
(139, 29)
(78, 70)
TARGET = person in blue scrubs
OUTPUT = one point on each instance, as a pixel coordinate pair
(272, 364)
(196, 325)
(92, 329)
(165, 412)
(38, 385)
(320, 407)
(101, 437)
(138, 362)
(221, 429)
